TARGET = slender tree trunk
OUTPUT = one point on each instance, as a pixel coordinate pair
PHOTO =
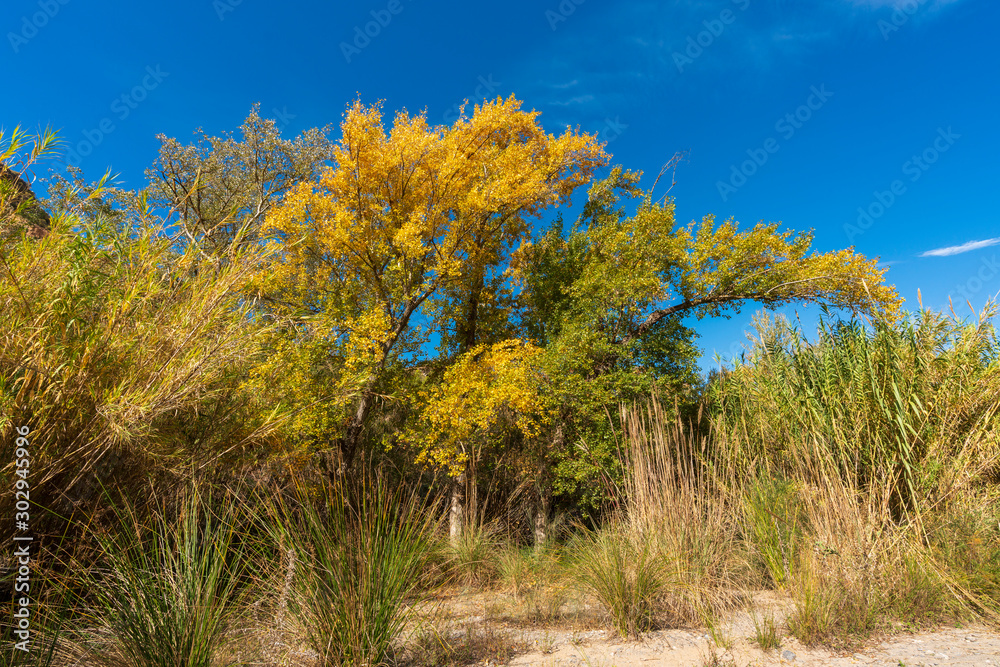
(352, 435)
(456, 518)
(349, 442)
(542, 519)
(472, 316)
(461, 502)
(544, 485)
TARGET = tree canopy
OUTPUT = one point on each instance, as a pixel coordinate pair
(405, 215)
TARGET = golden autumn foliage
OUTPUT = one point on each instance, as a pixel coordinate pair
(404, 213)
(426, 219)
(485, 383)
(401, 216)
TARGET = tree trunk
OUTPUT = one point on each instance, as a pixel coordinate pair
(542, 519)
(544, 486)
(349, 442)
(470, 335)
(456, 518)
(352, 436)
(459, 500)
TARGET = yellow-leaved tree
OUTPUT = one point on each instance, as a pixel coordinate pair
(486, 387)
(400, 217)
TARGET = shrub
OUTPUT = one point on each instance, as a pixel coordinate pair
(360, 548)
(621, 570)
(169, 591)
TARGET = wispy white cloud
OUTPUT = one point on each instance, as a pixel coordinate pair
(902, 4)
(640, 62)
(580, 99)
(959, 249)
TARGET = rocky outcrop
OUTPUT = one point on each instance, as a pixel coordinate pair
(19, 208)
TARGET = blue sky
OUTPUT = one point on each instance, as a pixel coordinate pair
(872, 122)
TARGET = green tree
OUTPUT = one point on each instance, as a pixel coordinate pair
(607, 300)
(217, 186)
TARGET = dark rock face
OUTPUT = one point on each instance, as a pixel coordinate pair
(19, 208)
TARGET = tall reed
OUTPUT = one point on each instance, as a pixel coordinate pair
(906, 409)
(124, 354)
(673, 555)
(876, 435)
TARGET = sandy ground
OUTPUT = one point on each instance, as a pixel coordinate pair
(555, 646)
(963, 646)
(581, 640)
